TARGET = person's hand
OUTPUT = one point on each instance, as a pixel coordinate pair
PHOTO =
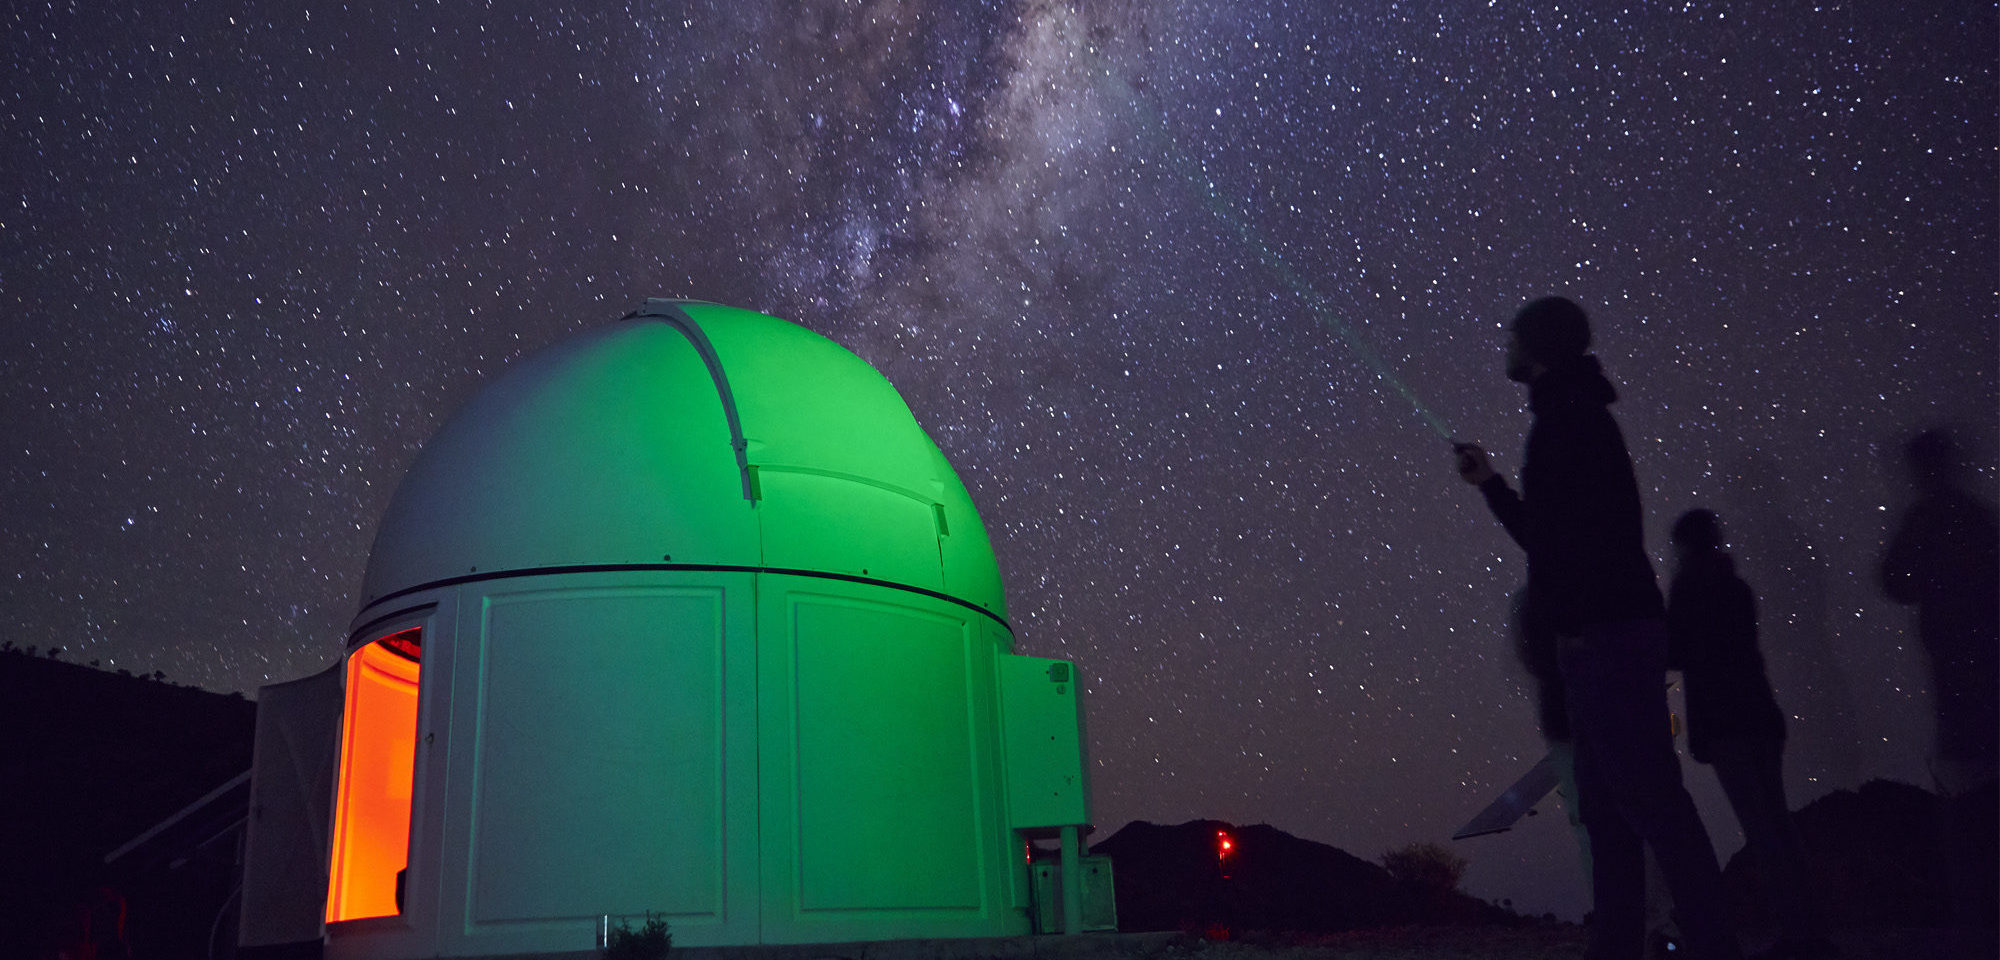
(1473, 466)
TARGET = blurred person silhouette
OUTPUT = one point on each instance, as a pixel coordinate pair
(1796, 628)
(1578, 518)
(1734, 724)
(1944, 559)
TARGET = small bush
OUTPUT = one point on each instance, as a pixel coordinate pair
(649, 942)
(1426, 865)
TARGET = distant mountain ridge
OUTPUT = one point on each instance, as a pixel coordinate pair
(89, 759)
(1177, 878)
(1875, 854)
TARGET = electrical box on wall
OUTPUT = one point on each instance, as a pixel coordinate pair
(1041, 717)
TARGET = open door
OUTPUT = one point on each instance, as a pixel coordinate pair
(291, 783)
(378, 745)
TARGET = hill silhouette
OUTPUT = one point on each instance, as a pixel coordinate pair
(1178, 878)
(90, 760)
(1874, 853)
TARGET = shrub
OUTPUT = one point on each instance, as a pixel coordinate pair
(649, 942)
(1425, 864)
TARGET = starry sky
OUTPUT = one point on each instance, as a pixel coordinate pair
(1191, 294)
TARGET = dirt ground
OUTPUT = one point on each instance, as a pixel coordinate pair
(1552, 942)
(1535, 942)
(1427, 943)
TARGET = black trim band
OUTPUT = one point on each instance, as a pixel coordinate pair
(694, 567)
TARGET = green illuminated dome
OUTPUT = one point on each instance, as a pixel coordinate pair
(689, 435)
(682, 616)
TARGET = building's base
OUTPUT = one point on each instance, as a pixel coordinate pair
(1088, 946)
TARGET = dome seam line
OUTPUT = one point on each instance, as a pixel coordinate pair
(688, 567)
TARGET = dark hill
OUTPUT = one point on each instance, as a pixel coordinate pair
(1172, 878)
(1876, 855)
(90, 759)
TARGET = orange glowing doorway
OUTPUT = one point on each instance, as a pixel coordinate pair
(378, 746)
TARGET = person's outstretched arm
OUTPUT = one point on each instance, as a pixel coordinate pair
(1507, 507)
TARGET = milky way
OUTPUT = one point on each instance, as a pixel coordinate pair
(1167, 284)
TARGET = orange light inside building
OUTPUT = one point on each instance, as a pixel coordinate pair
(378, 750)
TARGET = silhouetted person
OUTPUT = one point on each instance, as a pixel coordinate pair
(1535, 647)
(1578, 518)
(1945, 559)
(1733, 721)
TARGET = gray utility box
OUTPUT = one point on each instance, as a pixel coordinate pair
(1100, 908)
(1041, 721)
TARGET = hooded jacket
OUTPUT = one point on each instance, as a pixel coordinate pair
(1712, 640)
(1577, 514)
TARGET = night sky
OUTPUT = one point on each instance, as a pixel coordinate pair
(1168, 283)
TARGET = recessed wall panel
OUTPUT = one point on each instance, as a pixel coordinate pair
(888, 809)
(599, 784)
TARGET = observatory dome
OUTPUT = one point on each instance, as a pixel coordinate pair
(688, 436)
(682, 616)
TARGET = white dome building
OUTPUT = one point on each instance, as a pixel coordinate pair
(683, 615)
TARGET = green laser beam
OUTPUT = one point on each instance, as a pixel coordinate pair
(1273, 260)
